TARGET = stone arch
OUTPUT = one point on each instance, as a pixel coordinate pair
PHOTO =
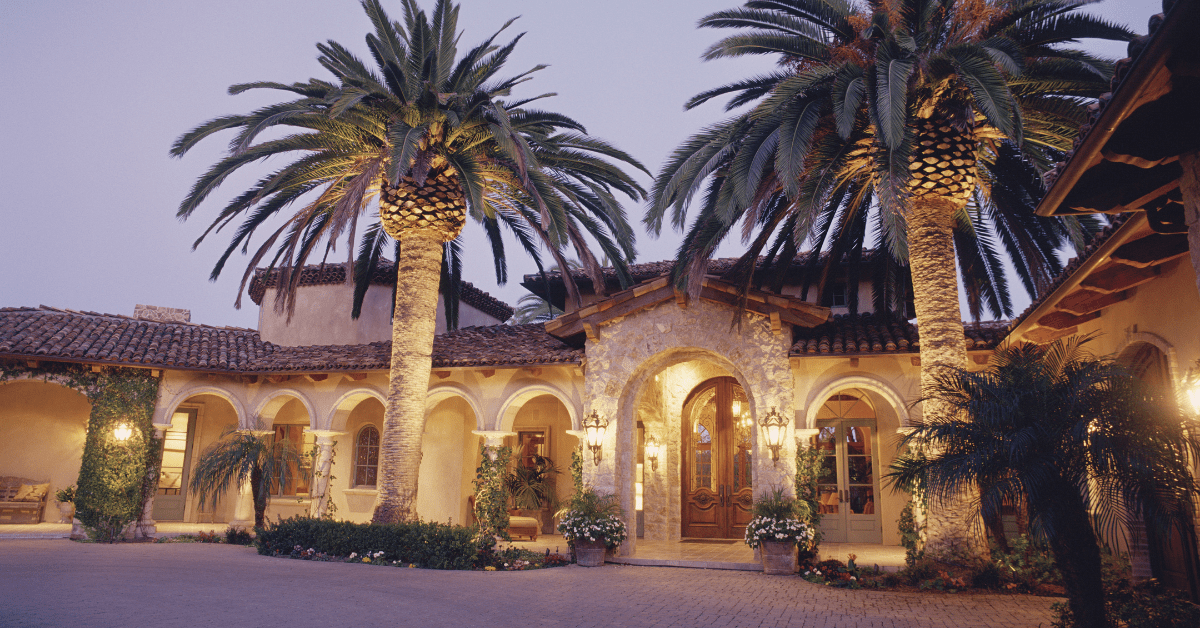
(513, 404)
(864, 382)
(264, 415)
(239, 410)
(340, 412)
(1174, 374)
(443, 391)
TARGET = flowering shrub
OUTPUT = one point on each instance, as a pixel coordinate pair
(783, 530)
(576, 526)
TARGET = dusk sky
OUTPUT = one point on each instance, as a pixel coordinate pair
(97, 91)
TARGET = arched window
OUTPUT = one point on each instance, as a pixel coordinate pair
(366, 456)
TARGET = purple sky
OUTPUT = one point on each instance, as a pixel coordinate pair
(97, 91)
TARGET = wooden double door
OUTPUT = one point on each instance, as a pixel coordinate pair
(717, 461)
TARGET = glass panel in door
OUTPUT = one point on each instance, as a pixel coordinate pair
(170, 500)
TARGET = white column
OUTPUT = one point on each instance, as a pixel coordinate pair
(325, 440)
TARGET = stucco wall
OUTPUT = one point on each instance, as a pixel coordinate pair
(446, 447)
(215, 415)
(323, 317)
(42, 430)
(353, 503)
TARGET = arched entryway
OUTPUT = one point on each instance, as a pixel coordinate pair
(848, 485)
(717, 470)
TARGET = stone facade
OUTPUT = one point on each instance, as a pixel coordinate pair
(641, 367)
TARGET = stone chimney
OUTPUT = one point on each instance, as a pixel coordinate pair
(161, 314)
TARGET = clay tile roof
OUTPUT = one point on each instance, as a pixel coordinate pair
(67, 335)
(385, 274)
(51, 333)
(1121, 70)
(868, 333)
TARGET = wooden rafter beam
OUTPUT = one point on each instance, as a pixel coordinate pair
(1084, 301)
(1115, 277)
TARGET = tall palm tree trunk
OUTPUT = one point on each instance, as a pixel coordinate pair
(418, 273)
(939, 322)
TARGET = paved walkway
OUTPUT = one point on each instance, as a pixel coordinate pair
(61, 583)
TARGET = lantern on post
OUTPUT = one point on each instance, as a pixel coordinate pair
(595, 426)
(773, 425)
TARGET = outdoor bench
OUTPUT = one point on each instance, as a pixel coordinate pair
(22, 500)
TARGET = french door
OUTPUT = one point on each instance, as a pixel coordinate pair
(170, 500)
(848, 482)
(717, 461)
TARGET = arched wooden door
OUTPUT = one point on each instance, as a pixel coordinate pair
(717, 461)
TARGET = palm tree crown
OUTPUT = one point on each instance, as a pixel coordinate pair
(877, 105)
(423, 114)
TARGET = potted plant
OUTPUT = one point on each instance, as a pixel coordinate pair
(66, 503)
(592, 524)
(532, 488)
(777, 529)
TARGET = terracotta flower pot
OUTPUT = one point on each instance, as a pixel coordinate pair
(778, 558)
(590, 553)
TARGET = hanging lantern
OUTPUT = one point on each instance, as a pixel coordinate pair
(595, 426)
(773, 425)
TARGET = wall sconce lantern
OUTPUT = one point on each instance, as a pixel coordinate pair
(122, 432)
(652, 449)
(1192, 387)
(773, 424)
(595, 426)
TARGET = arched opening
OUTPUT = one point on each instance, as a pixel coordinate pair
(43, 427)
(449, 455)
(1171, 550)
(717, 474)
(197, 423)
(351, 486)
(848, 484)
(542, 442)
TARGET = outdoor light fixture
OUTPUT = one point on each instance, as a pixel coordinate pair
(1192, 387)
(652, 448)
(595, 426)
(122, 432)
(773, 424)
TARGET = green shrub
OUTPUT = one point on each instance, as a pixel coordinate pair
(1028, 564)
(988, 576)
(1147, 604)
(238, 536)
(429, 545)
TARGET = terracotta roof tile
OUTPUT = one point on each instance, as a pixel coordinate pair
(867, 333)
(385, 274)
(50, 333)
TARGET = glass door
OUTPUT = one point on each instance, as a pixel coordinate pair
(170, 500)
(848, 482)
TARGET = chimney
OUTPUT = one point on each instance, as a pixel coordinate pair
(161, 314)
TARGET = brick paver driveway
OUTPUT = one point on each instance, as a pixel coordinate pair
(61, 583)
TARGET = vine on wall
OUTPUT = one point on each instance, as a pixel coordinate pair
(808, 470)
(115, 478)
(491, 497)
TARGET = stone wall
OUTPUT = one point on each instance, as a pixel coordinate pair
(622, 362)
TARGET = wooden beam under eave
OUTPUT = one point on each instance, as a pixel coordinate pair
(625, 308)
(1115, 277)
(1063, 320)
(1151, 250)
(1084, 301)
(1042, 335)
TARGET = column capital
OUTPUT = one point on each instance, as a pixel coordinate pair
(325, 437)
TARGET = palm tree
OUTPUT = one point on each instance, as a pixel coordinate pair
(428, 134)
(1076, 440)
(925, 124)
(240, 457)
(532, 308)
